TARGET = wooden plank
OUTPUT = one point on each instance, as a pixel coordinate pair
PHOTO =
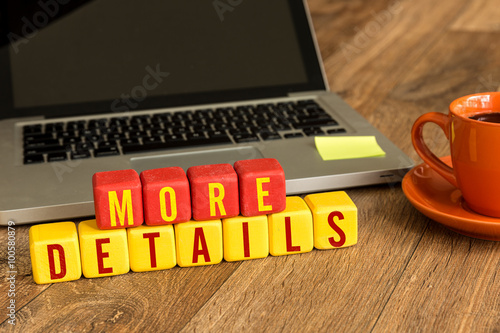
(456, 290)
(479, 16)
(161, 300)
(365, 69)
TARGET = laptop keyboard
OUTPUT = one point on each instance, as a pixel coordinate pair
(101, 137)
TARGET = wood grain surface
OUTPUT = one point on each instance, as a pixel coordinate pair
(392, 61)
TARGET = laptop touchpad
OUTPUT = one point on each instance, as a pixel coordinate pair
(188, 159)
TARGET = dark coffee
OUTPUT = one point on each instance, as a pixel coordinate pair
(490, 117)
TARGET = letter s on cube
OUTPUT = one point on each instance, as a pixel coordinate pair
(335, 219)
(262, 186)
(117, 199)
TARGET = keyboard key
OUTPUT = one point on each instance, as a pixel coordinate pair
(32, 159)
(76, 155)
(313, 131)
(32, 129)
(293, 135)
(106, 151)
(245, 137)
(315, 122)
(336, 131)
(38, 137)
(151, 140)
(56, 156)
(269, 135)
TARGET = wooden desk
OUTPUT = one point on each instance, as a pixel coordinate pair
(392, 61)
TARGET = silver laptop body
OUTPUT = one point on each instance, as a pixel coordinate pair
(62, 189)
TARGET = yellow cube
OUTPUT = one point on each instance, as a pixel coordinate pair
(198, 243)
(245, 237)
(55, 254)
(103, 252)
(335, 219)
(291, 231)
(151, 248)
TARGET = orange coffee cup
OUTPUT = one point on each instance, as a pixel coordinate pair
(475, 149)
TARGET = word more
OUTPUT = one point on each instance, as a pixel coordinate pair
(168, 195)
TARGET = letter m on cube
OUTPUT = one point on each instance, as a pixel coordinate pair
(117, 199)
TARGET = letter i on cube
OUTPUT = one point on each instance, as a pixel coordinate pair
(245, 237)
(262, 186)
(55, 253)
(214, 191)
(166, 196)
(117, 199)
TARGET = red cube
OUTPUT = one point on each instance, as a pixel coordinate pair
(166, 196)
(214, 191)
(262, 186)
(117, 199)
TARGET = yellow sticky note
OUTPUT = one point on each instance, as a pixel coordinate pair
(345, 147)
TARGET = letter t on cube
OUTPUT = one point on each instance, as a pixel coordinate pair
(117, 199)
(262, 186)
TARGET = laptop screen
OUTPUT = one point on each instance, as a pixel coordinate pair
(63, 57)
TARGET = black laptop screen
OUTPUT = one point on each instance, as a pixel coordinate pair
(64, 58)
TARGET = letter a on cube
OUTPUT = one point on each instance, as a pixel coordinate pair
(117, 199)
(262, 186)
(198, 243)
(335, 219)
(151, 248)
(55, 253)
(291, 231)
(214, 191)
(166, 196)
(104, 252)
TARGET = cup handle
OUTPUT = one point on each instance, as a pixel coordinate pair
(424, 152)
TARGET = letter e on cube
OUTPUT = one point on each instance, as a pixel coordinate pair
(262, 186)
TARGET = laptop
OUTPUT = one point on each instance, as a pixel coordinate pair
(92, 86)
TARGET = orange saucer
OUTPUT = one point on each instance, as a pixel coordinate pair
(442, 202)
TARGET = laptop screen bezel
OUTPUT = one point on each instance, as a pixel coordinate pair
(311, 60)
